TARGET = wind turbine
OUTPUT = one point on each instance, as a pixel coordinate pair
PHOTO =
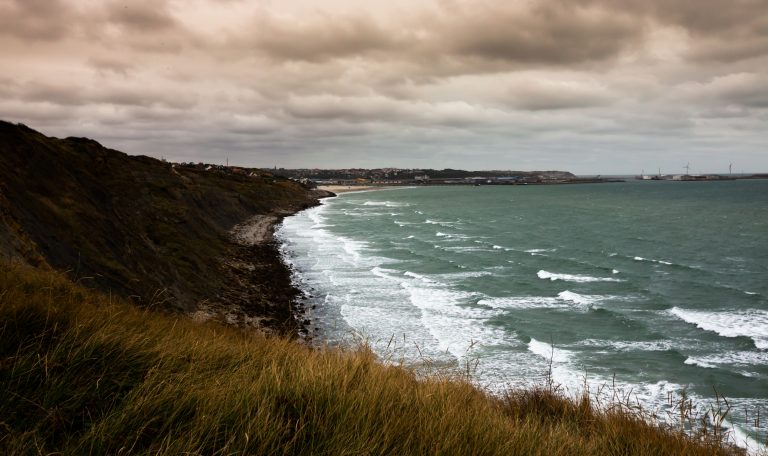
(687, 168)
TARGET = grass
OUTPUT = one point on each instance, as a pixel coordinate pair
(130, 224)
(83, 373)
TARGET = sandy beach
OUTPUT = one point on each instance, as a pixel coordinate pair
(347, 188)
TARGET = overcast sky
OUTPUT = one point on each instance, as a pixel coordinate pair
(589, 86)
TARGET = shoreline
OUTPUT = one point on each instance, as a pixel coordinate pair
(259, 292)
(348, 188)
(322, 334)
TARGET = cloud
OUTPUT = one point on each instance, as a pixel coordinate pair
(380, 109)
(318, 37)
(66, 95)
(540, 95)
(349, 109)
(457, 37)
(251, 125)
(541, 34)
(141, 15)
(721, 31)
(535, 82)
(110, 64)
(39, 20)
(742, 90)
(60, 94)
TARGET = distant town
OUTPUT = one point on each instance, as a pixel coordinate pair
(410, 176)
(406, 176)
(699, 177)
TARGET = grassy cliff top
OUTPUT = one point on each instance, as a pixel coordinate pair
(84, 373)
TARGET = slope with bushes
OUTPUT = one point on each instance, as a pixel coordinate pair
(140, 227)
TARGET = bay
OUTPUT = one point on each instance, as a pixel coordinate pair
(645, 288)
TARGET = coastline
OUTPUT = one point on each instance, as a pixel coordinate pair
(334, 218)
(336, 189)
(259, 291)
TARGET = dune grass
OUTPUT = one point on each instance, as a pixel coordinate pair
(83, 373)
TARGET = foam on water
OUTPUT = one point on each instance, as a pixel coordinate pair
(441, 223)
(524, 302)
(574, 277)
(548, 352)
(452, 276)
(462, 248)
(378, 301)
(623, 345)
(693, 361)
(580, 300)
(419, 277)
(385, 204)
(738, 437)
(453, 325)
(731, 358)
(451, 236)
(744, 323)
(637, 258)
(654, 396)
(384, 273)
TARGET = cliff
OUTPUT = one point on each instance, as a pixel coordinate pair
(158, 233)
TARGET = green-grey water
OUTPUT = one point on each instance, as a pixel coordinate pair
(649, 287)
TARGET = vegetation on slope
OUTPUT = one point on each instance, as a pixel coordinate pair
(135, 226)
(84, 373)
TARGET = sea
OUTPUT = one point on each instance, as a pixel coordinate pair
(652, 293)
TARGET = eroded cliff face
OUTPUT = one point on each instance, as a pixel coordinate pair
(156, 232)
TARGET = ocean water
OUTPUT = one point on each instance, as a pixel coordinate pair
(644, 289)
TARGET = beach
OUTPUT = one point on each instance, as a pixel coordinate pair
(347, 188)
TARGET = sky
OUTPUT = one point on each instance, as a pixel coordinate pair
(588, 86)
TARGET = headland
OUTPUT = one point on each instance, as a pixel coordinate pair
(188, 238)
(105, 257)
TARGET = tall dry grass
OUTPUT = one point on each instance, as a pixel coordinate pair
(83, 373)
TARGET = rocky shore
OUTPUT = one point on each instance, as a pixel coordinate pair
(258, 292)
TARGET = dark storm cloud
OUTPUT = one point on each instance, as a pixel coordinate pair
(538, 97)
(143, 97)
(456, 37)
(722, 31)
(536, 82)
(44, 20)
(543, 34)
(66, 95)
(700, 16)
(350, 109)
(60, 94)
(107, 64)
(141, 15)
(319, 37)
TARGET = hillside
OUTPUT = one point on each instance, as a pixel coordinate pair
(146, 229)
(86, 371)
(81, 373)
